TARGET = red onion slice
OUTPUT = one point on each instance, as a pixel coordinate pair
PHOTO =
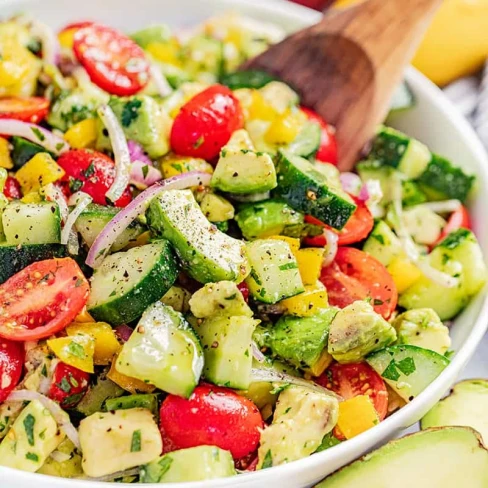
(257, 354)
(125, 217)
(59, 415)
(34, 133)
(160, 81)
(83, 200)
(351, 183)
(54, 194)
(121, 152)
(143, 175)
(137, 153)
(332, 244)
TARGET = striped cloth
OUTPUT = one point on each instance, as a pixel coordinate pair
(470, 95)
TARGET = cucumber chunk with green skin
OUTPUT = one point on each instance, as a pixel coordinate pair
(300, 341)
(466, 405)
(414, 461)
(97, 395)
(140, 400)
(246, 79)
(95, 217)
(31, 223)
(206, 462)
(207, 254)
(274, 271)
(409, 370)
(164, 351)
(23, 150)
(441, 180)
(128, 282)
(15, 258)
(226, 343)
(268, 218)
(383, 244)
(308, 190)
(307, 141)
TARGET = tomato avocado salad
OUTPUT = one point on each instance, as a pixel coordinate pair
(186, 278)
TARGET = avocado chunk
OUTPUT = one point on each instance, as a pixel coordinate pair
(264, 219)
(422, 327)
(142, 121)
(466, 405)
(356, 331)
(32, 438)
(274, 271)
(64, 462)
(118, 440)
(409, 462)
(207, 254)
(164, 351)
(222, 298)
(96, 396)
(241, 170)
(206, 462)
(300, 341)
(301, 419)
(139, 400)
(178, 298)
(8, 413)
(153, 33)
(216, 208)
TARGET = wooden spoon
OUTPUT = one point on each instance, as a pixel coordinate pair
(347, 66)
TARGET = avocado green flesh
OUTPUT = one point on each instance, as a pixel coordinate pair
(447, 458)
(307, 142)
(148, 400)
(465, 406)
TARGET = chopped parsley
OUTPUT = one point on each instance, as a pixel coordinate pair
(135, 445)
(130, 112)
(231, 297)
(145, 170)
(32, 457)
(393, 370)
(164, 464)
(75, 184)
(268, 460)
(290, 265)
(377, 301)
(89, 170)
(280, 388)
(76, 350)
(379, 238)
(38, 133)
(198, 142)
(29, 423)
(255, 277)
(64, 385)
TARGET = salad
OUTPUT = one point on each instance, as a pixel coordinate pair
(187, 279)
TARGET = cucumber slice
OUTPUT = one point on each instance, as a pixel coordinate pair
(402, 99)
(140, 400)
(226, 344)
(23, 150)
(383, 244)
(32, 223)
(207, 254)
(95, 217)
(246, 79)
(164, 351)
(274, 271)
(15, 258)
(409, 370)
(307, 142)
(309, 191)
(128, 282)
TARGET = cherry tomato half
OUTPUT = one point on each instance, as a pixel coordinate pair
(457, 220)
(11, 188)
(206, 122)
(30, 109)
(113, 61)
(327, 152)
(92, 172)
(356, 229)
(69, 385)
(42, 299)
(11, 364)
(351, 380)
(244, 289)
(212, 416)
(355, 275)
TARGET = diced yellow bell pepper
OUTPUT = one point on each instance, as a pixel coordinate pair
(37, 172)
(5, 159)
(77, 351)
(166, 52)
(321, 365)
(260, 109)
(292, 242)
(32, 197)
(84, 316)
(284, 129)
(176, 165)
(132, 385)
(106, 343)
(66, 37)
(308, 303)
(310, 264)
(356, 415)
(403, 272)
(82, 135)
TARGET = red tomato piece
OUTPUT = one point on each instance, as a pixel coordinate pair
(206, 122)
(11, 365)
(355, 275)
(327, 152)
(69, 385)
(92, 172)
(42, 299)
(29, 109)
(113, 61)
(351, 380)
(244, 289)
(457, 220)
(77, 25)
(11, 188)
(212, 416)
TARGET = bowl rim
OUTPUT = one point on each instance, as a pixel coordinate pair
(303, 16)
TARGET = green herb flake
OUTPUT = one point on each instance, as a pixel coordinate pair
(130, 112)
(32, 457)
(44, 371)
(38, 133)
(198, 142)
(328, 441)
(135, 445)
(89, 170)
(78, 283)
(29, 423)
(164, 464)
(267, 461)
(75, 184)
(59, 146)
(280, 388)
(379, 238)
(406, 366)
(391, 373)
(75, 349)
(73, 399)
(290, 265)
(377, 301)
(231, 297)
(64, 385)
(287, 410)
(145, 170)
(255, 277)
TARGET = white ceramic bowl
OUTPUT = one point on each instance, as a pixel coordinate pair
(434, 121)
